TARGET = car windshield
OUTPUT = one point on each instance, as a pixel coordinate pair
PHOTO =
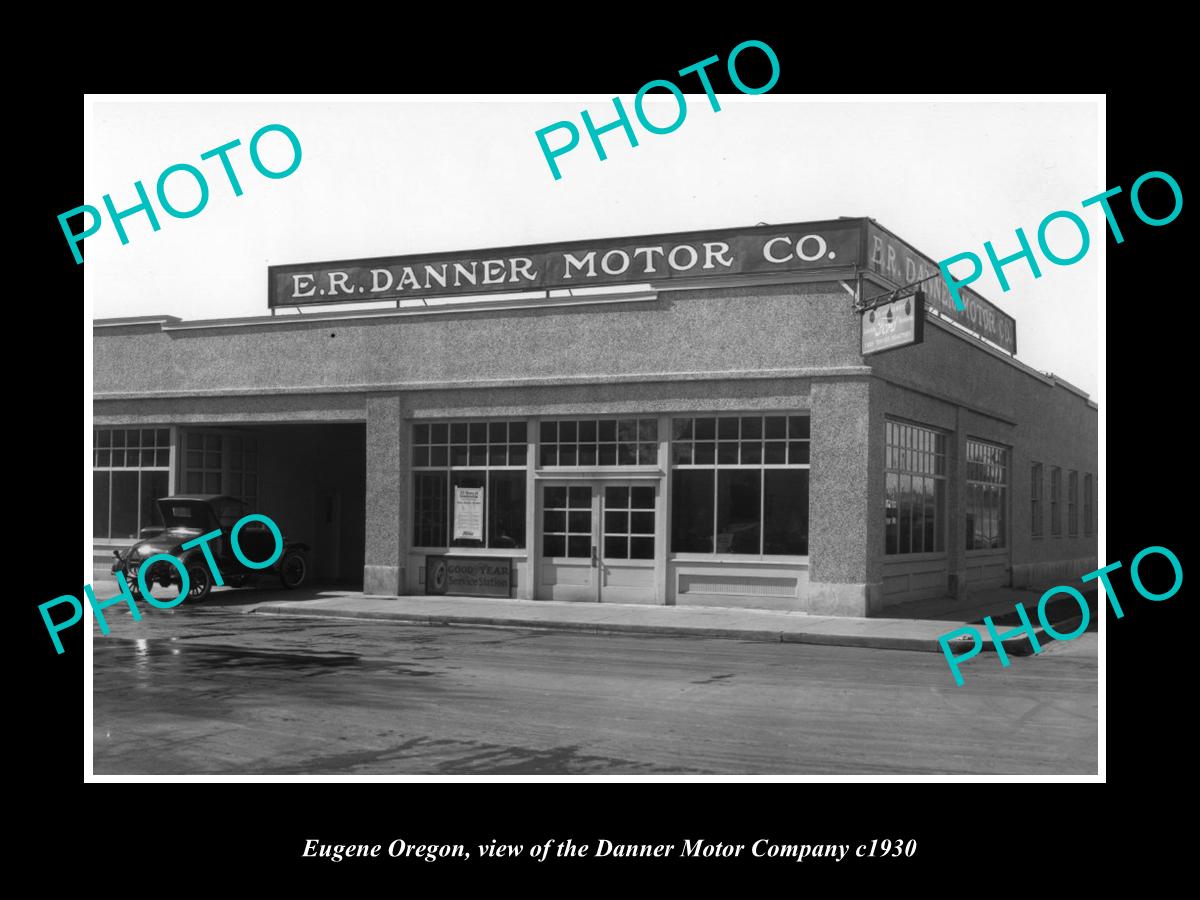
(191, 514)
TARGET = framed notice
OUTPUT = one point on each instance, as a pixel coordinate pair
(468, 513)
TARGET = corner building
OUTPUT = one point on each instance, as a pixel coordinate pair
(706, 433)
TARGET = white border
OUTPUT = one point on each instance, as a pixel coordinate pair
(90, 190)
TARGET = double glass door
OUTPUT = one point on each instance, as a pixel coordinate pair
(597, 541)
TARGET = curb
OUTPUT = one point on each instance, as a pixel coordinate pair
(879, 642)
(1020, 646)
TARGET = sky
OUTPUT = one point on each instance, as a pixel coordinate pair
(418, 175)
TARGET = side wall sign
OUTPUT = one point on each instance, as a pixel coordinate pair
(901, 264)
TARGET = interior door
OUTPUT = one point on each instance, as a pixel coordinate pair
(569, 553)
(327, 545)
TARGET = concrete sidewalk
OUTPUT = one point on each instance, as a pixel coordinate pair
(904, 629)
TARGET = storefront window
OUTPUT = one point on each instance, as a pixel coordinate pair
(987, 496)
(599, 442)
(429, 509)
(130, 471)
(915, 499)
(472, 472)
(739, 485)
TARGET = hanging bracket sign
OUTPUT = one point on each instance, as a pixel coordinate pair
(895, 323)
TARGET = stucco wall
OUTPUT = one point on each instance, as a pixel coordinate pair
(763, 328)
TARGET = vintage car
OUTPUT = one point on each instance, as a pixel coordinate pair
(188, 517)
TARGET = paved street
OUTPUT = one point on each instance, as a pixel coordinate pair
(205, 688)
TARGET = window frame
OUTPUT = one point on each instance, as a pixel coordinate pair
(716, 467)
(168, 468)
(653, 445)
(1037, 503)
(1089, 503)
(898, 449)
(1004, 486)
(449, 470)
(1073, 503)
(204, 470)
(1056, 501)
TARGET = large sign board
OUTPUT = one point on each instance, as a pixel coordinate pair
(897, 323)
(840, 245)
(892, 258)
(763, 250)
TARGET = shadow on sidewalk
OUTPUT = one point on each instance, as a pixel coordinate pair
(1000, 604)
(267, 591)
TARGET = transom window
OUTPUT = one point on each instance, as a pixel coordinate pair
(487, 455)
(987, 496)
(740, 440)
(130, 472)
(599, 442)
(469, 444)
(915, 498)
(739, 485)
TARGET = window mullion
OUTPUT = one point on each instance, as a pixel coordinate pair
(762, 500)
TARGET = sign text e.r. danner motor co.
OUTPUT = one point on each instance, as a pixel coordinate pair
(837, 248)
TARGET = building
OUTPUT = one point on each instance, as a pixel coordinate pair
(673, 419)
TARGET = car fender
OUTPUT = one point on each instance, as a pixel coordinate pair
(288, 547)
(195, 556)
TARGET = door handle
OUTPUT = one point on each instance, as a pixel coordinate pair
(595, 558)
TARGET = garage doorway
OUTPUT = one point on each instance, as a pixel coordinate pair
(309, 478)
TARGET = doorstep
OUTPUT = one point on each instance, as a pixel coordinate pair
(682, 621)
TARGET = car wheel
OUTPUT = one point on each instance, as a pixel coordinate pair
(293, 570)
(199, 582)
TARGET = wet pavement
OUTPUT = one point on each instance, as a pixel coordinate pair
(204, 688)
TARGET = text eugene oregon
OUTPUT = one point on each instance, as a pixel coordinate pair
(124, 595)
(565, 849)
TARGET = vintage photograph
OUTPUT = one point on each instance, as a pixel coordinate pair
(639, 437)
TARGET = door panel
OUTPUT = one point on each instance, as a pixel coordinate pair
(627, 547)
(567, 533)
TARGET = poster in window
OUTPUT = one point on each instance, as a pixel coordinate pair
(468, 513)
